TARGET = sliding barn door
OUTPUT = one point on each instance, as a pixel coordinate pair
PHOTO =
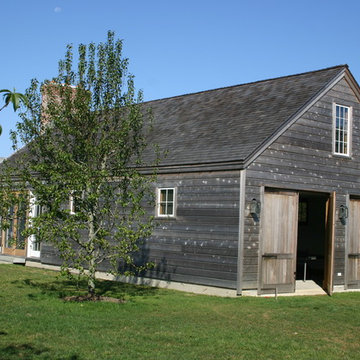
(353, 260)
(328, 282)
(279, 240)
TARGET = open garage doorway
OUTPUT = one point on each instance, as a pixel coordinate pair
(315, 239)
(297, 240)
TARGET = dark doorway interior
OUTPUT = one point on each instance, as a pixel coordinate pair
(311, 237)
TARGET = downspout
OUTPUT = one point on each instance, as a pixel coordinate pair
(240, 254)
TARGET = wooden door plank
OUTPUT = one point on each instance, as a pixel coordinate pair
(353, 259)
(329, 247)
(279, 241)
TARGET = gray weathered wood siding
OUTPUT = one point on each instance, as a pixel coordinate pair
(199, 245)
(49, 255)
(302, 159)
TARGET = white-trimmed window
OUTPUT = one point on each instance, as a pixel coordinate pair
(74, 199)
(166, 202)
(72, 203)
(36, 210)
(342, 129)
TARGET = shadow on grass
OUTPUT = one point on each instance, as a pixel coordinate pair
(29, 352)
(63, 287)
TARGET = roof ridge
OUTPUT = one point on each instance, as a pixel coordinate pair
(249, 83)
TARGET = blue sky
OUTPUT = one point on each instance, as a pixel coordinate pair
(178, 47)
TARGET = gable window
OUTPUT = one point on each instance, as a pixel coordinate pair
(166, 202)
(342, 123)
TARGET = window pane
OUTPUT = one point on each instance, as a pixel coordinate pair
(36, 245)
(8, 239)
(302, 217)
(169, 209)
(36, 210)
(163, 195)
(170, 195)
(9, 232)
(163, 209)
(20, 239)
(20, 226)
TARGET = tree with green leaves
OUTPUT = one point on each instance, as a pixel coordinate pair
(12, 97)
(84, 134)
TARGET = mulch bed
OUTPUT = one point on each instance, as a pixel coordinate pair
(95, 298)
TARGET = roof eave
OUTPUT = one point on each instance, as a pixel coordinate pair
(198, 167)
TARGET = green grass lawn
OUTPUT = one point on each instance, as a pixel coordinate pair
(35, 323)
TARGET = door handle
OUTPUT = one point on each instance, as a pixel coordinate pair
(282, 256)
(270, 256)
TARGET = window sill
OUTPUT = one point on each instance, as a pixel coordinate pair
(165, 218)
(343, 156)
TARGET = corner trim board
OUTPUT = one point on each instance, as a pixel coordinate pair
(240, 257)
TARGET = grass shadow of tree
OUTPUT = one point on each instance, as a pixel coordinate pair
(29, 352)
(64, 287)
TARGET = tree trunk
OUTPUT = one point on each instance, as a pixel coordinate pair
(92, 264)
(91, 278)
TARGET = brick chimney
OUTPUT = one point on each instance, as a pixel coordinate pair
(52, 93)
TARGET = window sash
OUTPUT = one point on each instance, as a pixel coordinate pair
(35, 210)
(166, 202)
(342, 119)
(74, 198)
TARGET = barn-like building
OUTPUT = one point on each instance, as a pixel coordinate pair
(260, 187)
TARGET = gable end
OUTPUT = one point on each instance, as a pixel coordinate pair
(344, 73)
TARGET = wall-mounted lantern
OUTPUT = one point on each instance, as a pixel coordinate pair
(343, 214)
(255, 208)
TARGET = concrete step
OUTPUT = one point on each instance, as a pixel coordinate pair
(308, 287)
(8, 259)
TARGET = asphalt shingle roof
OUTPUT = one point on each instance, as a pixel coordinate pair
(229, 124)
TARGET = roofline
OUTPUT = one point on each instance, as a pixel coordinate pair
(248, 83)
(352, 83)
(293, 118)
(14, 153)
(195, 167)
(244, 163)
